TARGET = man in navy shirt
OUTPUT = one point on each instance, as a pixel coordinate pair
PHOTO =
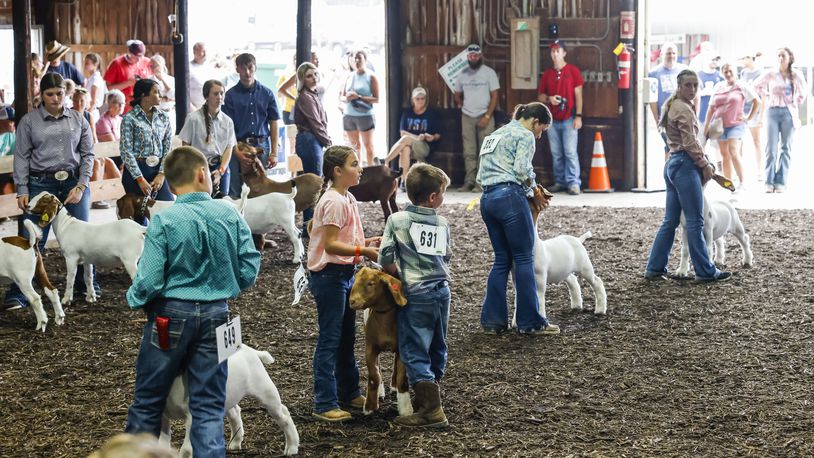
(54, 52)
(254, 110)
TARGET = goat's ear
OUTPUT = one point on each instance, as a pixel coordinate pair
(396, 290)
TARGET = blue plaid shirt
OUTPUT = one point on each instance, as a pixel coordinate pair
(197, 250)
(509, 160)
(419, 272)
(142, 137)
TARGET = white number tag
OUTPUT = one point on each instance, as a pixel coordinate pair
(429, 239)
(300, 283)
(229, 338)
(489, 144)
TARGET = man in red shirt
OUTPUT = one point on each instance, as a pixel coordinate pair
(561, 89)
(124, 70)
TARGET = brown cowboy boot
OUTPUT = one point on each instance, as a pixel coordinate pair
(429, 413)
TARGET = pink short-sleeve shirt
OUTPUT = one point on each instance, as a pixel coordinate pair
(334, 209)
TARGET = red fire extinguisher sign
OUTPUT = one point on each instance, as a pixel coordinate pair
(624, 69)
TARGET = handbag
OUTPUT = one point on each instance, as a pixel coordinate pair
(361, 105)
(716, 128)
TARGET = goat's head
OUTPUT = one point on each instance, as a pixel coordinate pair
(539, 202)
(376, 289)
(252, 165)
(129, 206)
(45, 204)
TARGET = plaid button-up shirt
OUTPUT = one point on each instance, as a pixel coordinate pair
(420, 273)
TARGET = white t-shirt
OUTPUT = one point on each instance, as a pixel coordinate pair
(222, 133)
(198, 75)
(97, 81)
(476, 86)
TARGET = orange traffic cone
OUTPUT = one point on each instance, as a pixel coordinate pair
(599, 181)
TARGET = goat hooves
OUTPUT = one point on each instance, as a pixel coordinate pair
(41, 326)
(289, 451)
(67, 300)
(59, 320)
(90, 297)
(235, 446)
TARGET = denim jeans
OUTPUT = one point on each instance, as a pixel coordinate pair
(422, 331)
(223, 187)
(131, 186)
(684, 193)
(236, 182)
(562, 138)
(311, 152)
(780, 130)
(506, 213)
(193, 347)
(336, 375)
(79, 210)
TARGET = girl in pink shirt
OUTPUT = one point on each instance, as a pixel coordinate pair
(337, 244)
(727, 104)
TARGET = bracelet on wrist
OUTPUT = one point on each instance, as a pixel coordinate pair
(358, 250)
(141, 180)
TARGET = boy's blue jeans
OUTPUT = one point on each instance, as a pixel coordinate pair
(562, 139)
(336, 375)
(79, 210)
(508, 220)
(422, 328)
(193, 347)
(684, 194)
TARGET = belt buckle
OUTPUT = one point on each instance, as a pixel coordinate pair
(62, 175)
(152, 161)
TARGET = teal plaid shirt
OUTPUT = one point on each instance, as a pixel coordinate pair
(142, 137)
(509, 160)
(198, 250)
(419, 272)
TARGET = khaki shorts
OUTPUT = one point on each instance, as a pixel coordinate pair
(420, 150)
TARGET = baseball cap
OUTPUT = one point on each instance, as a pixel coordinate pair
(473, 48)
(557, 44)
(136, 47)
(418, 92)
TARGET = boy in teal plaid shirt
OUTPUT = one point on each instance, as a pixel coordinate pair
(416, 245)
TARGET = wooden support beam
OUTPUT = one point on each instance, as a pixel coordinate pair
(303, 31)
(21, 19)
(393, 53)
(180, 57)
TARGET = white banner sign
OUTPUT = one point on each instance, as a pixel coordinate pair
(450, 71)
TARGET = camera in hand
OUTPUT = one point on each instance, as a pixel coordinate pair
(563, 104)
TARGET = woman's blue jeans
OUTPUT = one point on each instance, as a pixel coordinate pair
(780, 127)
(310, 152)
(684, 193)
(131, 186)
(79, 210)
(506, 212)
(336, 375)
(192, 348)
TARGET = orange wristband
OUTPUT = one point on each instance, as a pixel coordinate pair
(140, 179)
(358, 250)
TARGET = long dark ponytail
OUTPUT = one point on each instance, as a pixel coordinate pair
(205, 109)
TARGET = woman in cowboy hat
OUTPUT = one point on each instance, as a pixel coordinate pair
(54, 52)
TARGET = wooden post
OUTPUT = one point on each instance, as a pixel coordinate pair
(180, 60)
(21, 20)
(393, 39)
(303, 31)
(628, 105)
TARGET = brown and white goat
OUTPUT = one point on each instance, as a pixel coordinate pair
(253, 174)
(379, 295)
(378, 183)
(132, 206)
(21, 261)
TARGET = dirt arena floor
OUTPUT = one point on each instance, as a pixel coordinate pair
(674, 369)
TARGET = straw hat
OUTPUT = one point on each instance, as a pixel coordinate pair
(55, 50)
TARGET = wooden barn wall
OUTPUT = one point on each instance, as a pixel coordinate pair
(437, 30)
(104, 26)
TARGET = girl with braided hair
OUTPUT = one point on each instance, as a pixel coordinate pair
(212, 132)
(337, 244)
(686, 172)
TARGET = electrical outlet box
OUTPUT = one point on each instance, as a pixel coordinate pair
(650, 90)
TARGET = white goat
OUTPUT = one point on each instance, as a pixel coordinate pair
(21, 261)
(247, 377)
(107, 245)
(720, 218)
(264, 212)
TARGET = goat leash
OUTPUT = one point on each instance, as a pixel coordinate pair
(146, 201)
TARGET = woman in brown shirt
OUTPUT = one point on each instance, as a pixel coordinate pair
(685, 173)
(312, 126)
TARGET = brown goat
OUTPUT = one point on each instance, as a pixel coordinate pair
(379, 295)
(129, 206)
(254, 175)
(378, 183)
